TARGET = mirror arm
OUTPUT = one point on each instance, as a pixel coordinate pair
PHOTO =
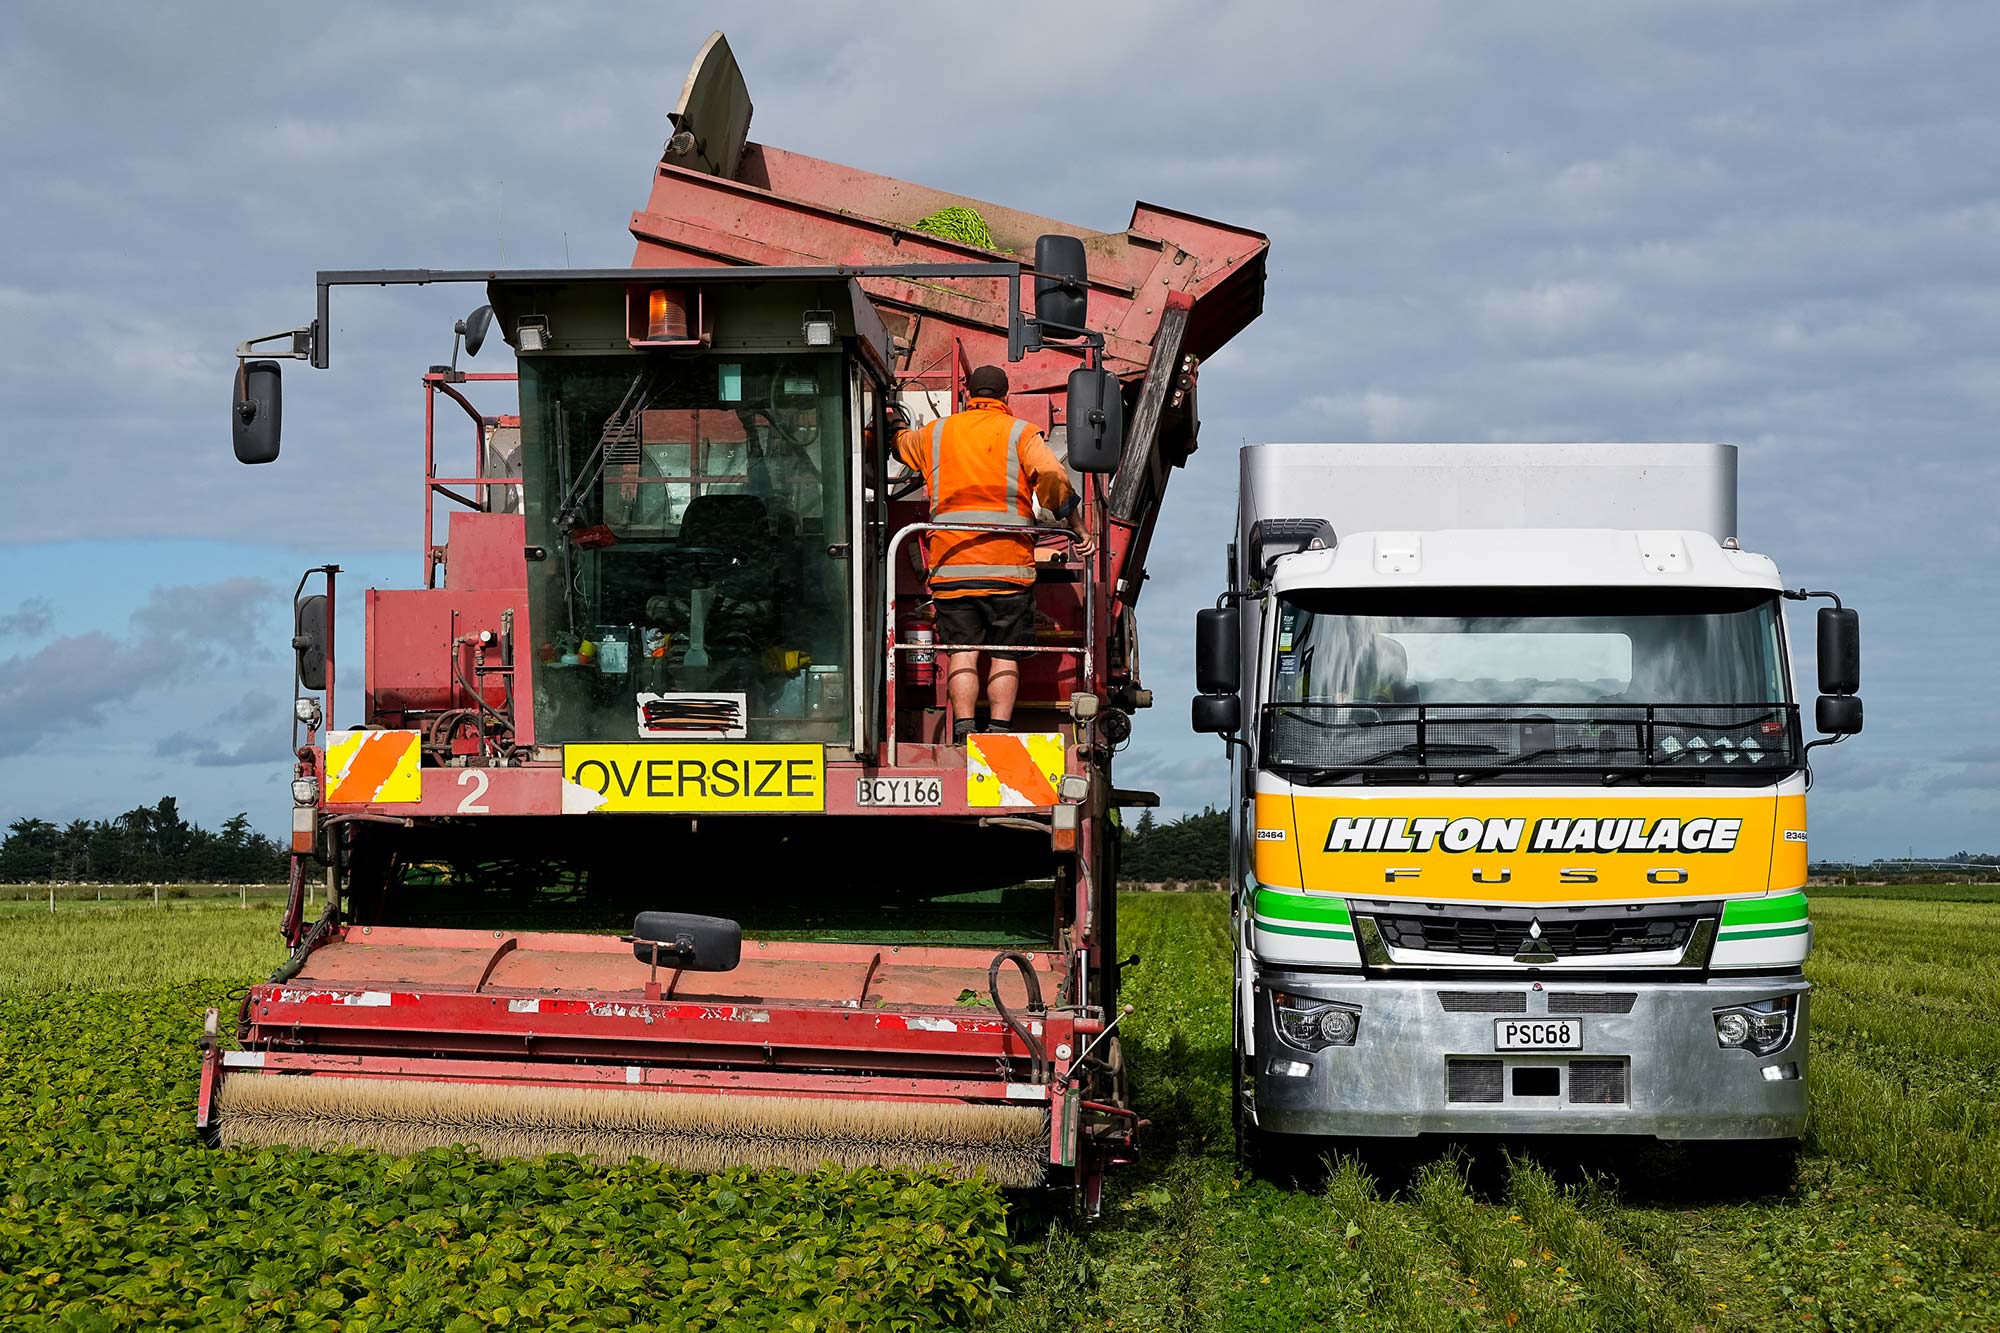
(1801, 594)
(302, 340)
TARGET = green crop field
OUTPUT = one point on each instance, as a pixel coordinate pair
(112, 1218)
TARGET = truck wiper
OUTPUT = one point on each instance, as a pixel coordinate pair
(1546, 753)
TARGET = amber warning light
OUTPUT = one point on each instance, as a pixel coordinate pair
(666, 314)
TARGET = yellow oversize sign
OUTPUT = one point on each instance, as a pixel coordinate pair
(694, 779)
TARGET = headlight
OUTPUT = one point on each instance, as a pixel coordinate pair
(1758, 1028)
(1314, 1025)
(305, 790)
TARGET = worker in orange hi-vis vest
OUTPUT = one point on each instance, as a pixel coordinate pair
(984, 466)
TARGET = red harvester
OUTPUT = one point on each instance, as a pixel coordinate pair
(650, 839)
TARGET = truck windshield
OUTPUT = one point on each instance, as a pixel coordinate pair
(692, 515)
(1530, 679)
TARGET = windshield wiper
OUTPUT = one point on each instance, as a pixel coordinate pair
(1610, 773)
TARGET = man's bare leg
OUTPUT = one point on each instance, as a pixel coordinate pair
(961, 683)
(1003, 685)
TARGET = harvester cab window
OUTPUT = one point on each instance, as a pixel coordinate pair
(692, 509)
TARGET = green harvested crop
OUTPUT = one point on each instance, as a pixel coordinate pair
(960, 224)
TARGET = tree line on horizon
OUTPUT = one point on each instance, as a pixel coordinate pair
(150, 844)
(1185, 850)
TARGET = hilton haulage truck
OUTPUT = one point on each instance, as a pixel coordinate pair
(1519, 825)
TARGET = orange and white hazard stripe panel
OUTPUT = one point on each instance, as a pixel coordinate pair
(1013, 768)
(373, 766)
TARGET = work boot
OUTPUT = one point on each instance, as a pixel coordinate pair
(962, 728)
(998, 724)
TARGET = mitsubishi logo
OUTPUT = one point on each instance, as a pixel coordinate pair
(1534, 949)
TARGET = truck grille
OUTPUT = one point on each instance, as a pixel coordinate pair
(1473, 1081)
(1565, 936)
(1484, 1001)
(1597, 1082)
(1591, 1002)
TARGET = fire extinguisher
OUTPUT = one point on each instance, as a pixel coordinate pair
(918, 666)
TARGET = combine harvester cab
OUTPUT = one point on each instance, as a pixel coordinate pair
(650, 840)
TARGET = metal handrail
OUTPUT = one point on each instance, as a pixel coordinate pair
(895, 646)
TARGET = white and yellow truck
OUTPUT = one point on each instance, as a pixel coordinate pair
(1519, 795)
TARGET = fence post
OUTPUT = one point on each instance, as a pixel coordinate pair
(52, 896)
(243, 892)
(156, 895)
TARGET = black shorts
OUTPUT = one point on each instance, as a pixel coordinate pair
(992, 617)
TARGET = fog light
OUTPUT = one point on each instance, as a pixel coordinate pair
(305, 790)
(1779, 1073)
(307, 711)
(1732, 1029)
(1288, 1069)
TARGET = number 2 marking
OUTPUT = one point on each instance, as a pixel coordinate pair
(472, 805)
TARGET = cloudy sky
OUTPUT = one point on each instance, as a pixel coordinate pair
(1772, 224)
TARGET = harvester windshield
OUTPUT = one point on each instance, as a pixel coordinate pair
(692, 513)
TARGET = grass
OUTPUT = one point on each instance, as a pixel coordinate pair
(1895, 1223)
(1928, 893)
(135, 946)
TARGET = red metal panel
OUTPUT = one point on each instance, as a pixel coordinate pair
(787, 208)
(749, 1082)
(487, 552)
(409, 636)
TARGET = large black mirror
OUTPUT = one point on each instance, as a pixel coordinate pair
(1096, 415)
(1062, 285)
(474, 327)
(255, 411)
(1217, 650)
(1221, 714)
(312, 637)
(686, 941)
(1839, 650)
(1838, 714)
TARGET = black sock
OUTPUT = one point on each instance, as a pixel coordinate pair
(962, 728)
(999, 724)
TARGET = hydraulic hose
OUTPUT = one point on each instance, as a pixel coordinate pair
(1039, 1055)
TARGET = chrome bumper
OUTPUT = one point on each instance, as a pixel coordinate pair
(1678, 1082)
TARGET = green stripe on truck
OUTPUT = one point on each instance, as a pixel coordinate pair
(1309, 931)
(1765, 934)
(1301, 907)
(1759, 911)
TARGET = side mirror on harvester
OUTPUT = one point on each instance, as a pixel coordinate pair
(1096, 416)
(312, 637)
(1062, 285)
(1838, 712)
(255, 411)
(686, 941)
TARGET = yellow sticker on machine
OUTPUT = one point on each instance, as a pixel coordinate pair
(693, 779)
(373, 768)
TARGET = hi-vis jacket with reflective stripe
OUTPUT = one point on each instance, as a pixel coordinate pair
(985, 466)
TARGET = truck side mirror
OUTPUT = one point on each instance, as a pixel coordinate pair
(1096, 415)
(255, 411)
(474, 327)
(312, 635)
(1217, 650)
(1062, 284)
(1838, 714)
(1839, 651)
(686, 941)
(1221, 714)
